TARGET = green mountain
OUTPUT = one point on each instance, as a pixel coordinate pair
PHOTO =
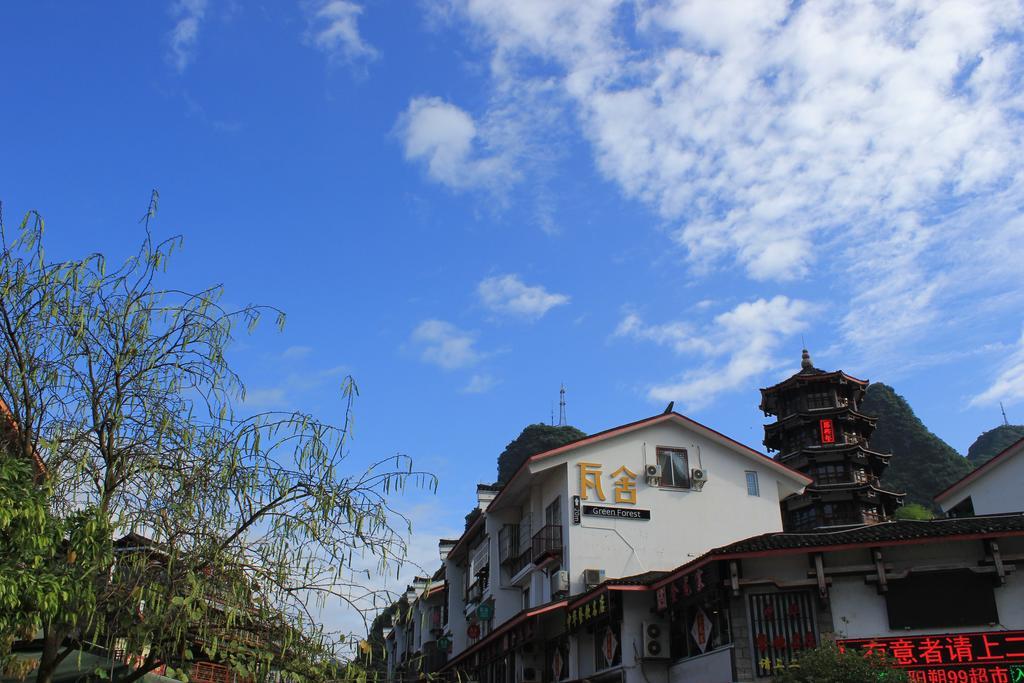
(993, 442)
(535, 438)
(922, 464)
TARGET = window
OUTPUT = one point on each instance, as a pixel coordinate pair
(831, 474)
(553, 513)
(819, 399)
(782, 626)
(753, 488)
(804, 518)
(675, 469)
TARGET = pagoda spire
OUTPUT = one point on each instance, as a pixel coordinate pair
(805, 360)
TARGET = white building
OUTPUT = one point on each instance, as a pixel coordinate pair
(997, 486)
(611, 510)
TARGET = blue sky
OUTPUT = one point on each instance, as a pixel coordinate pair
(466, 203)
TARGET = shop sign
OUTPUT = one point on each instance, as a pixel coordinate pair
(623, 484)
(576, 510)
(584, 614)
(485, 611)
(989, 657)
(690, 585)
(828, 433)
(615, 513)
(443, 643)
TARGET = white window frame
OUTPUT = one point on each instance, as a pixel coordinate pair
(753, 483)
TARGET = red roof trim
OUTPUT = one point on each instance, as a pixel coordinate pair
(633, 426)
(971, 476)
(514, 621)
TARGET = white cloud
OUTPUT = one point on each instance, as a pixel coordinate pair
(266, 398)
(507, 294)
(296, 351)
(445, 345)
(479, 384)
(334, 30)
(446, 139)
(1008, 386)
(737, 347)
(185, 34)
(880, 143)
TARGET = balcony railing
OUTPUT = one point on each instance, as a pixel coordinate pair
(547, 542)
(208, 672)
(508, 543)
(481, 558)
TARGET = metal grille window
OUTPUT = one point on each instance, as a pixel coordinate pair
(675, 468)
(753, 487)
(782, 626)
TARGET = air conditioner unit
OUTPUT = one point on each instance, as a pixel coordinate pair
(653, 474)
(655, 640)
(559, 583)
(698, 477)
(592, 578)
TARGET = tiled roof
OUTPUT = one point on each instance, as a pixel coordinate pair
(885, 532)
(635, 580)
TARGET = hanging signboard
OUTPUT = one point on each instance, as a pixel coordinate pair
(828, 433)
(576, 510)
(994, 656)
(609, 646)
(485, 611)
(701, 630)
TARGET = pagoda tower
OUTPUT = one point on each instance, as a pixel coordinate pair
(820, 431)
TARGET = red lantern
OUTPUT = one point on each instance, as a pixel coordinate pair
(473, 631)
(762, 642)
(769, 612)
(779, 642)
(794, 609)
(809, 641)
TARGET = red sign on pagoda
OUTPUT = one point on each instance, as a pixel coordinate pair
(828, 435)
(993, 657)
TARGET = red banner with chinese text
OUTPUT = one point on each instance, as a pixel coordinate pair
(989, 657)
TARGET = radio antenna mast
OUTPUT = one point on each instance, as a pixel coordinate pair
(561, 406)
(1005, 421)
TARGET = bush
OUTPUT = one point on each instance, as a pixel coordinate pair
(827, 664)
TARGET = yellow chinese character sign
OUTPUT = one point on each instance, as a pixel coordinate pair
(590, 480)
(625, 485)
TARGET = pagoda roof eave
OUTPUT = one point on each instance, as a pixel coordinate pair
(813, 377)
(818, 413)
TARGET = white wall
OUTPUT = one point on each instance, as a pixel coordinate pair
(683, 524)
(858, 611)
(999, 489)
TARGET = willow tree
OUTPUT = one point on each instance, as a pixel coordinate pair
(234, 529)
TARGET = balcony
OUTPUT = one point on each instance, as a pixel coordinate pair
(481, 559)
(547, 542)
(508, 543)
